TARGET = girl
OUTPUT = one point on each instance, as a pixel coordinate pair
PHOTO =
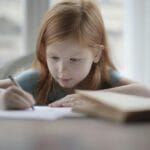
(71, 53)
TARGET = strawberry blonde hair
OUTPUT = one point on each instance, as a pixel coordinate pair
(74, 18)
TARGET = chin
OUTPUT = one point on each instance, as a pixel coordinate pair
(66, 86)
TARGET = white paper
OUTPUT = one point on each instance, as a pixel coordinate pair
(40, 113)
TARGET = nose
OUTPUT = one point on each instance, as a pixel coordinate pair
(63, 69)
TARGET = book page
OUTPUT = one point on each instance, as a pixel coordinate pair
(123, 102)
(40, 113)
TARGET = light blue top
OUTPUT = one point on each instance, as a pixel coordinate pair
(28, 80)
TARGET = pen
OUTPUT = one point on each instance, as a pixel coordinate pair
(17, 84)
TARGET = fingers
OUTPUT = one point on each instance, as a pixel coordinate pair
(16, 102)
(62, 102)
(16, 98)
(25, 95)
(69, 101)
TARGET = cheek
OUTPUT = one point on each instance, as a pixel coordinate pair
(83, 70)
(51, 67)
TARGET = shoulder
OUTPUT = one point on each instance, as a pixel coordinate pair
(117, 79)
(114, 77)
(30, 74)
(28, 80)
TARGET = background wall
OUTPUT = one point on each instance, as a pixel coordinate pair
(137, 40)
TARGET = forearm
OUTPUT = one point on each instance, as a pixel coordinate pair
(1, 99)
(132, 89)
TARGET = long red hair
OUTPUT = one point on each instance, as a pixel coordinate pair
(80, 19)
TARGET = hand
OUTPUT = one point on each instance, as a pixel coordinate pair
(69, 101)
(15, 98)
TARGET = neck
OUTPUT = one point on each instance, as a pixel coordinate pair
(69, 90)
(66, 90)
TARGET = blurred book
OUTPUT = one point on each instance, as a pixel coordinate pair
(114, 106)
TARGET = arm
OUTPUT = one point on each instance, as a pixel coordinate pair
(4, 84)
(126, 86)
(11, 97)
(121, 85)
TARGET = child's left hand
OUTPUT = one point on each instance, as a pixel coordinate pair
(69, 101)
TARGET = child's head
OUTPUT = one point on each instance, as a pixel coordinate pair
(69, 63)
(72, 47)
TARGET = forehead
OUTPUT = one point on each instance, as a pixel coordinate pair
(68, 46)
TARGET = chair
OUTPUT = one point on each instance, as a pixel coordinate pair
(15, 66)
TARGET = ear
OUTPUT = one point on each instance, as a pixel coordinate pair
(98, 53)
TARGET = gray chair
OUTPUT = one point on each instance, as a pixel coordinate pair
(15, 66)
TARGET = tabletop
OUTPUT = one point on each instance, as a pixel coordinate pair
(73, 134)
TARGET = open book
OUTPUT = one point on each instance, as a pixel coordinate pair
(114, 106)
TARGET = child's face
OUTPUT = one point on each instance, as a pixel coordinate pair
(68, 63)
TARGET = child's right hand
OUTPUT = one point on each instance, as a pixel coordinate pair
(15, 98)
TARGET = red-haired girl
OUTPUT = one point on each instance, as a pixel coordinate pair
(71, 53)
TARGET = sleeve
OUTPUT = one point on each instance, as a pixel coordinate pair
(28, 80)
(114, 77)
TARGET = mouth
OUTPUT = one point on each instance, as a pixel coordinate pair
(64, 80)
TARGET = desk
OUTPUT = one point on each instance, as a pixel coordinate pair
(73, 134)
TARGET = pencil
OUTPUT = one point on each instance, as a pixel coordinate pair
(14, 81)
(17, 84)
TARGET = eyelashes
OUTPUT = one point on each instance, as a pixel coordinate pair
(55, 58)
(75, 59)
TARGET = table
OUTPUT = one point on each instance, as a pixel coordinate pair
(73, 134)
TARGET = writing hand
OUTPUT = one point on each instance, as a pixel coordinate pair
(15, 98)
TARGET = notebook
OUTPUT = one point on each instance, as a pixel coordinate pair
(39, 113)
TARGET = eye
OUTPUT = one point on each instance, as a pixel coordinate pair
(54, 58)
(75, 59)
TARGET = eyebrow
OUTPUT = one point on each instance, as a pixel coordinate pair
(51, 53)
(78, 54)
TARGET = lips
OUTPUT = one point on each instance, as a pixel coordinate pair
(64, 80)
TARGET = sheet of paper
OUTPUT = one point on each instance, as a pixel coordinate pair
(40, 113)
